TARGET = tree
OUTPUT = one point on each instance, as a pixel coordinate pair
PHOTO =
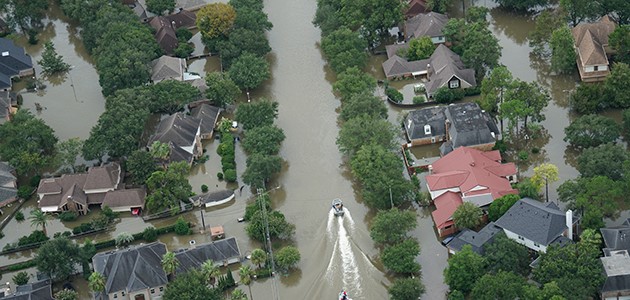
(420, 48)
(287, 257)
(243, 40)
(353, 81)
(626, 122)
(344, 49)
(481, 49)
(66, 294)
(170, 263)
(238, 295)
(26, 142)
(190, 285)
(170, 96)
(264, 140)
(606, 160)
(221, 91)
(477, 14)
(401, 257)
(615, 85)
(39, 218)
(215, 20)
(594, 198)
(249, 71)
(140, 165)
(406, 289)
(524, 102)
(52, 62)
(618, 10)
(591, 131)
(257, 114)
(364, 130)
(279, 228)
(493, 89)
(252, 19)
(467, 215)
(96, 282)
(588, 98)
(464, 268)
(56, 258)
(260, 168)
(579, 10)
(439, 6)
(504, 254)
(158, 7)
(160, 151)
(503, 285)
(499, 206)
(68, 151)
(619, 41)
(167, 188)
(562, 53)
(522, 5)
(123, 239)
(363, 104)
(210, 271)
(391, 226)
(246, 274)
(24, 13)
(258, 257)
(21, 278)
(543, 174)
(546, 23)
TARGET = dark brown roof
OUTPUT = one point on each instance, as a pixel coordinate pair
(164, 34)
(416, 7)
(208, 115)
(184, 18)
(127, 197)
(430, 25)
(104, 177)
(591, 39)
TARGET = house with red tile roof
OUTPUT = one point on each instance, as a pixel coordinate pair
(467, 175)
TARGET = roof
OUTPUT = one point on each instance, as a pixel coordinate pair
(183, 18)
(132, 269)
(40, 290)
(617, 270)
(445, 64)
(429, 24)
(469, 125)
(539, 222)
(219, 252)
(104, 177)
(13, 59)
(178, 129)
(416, 7)
(591, 40)
(617, 238)
(7, 177)
(167, 67)
(208, 115)
(164, 34)
(467, 169)
(477, 240)
(418, 119)
(126, 197)
(5, 81)
(178, 153)
(445, 206)
(213, 196)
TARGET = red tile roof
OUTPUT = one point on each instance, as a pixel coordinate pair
(445, 204)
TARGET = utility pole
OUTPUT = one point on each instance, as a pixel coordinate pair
(391, 200)
(263, 208)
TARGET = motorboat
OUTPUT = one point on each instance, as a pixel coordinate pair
(343, 295)
(337, 207)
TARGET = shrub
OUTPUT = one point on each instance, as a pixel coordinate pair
(204, 188)
(34, 181)
(150, 234)
(472, 91)
(220, 176)
(67, 216)
(419, 99)
(183, 50)
(21, 278)
(228, 158)
(230, 175)
(24, 192)
(227, 166)
(109, 213)
(83, 227)
(394, 94)
(523, 155)
(21, 266)
(182, 227)
(19, 216)
(183, 34)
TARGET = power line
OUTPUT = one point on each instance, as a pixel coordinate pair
(263, 204)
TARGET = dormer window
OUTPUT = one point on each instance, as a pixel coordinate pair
(427, 129)
(453, 84)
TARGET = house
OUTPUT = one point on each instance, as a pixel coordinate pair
(208, 114)
(467, 175)
(429, 24)
(477, 240)
(183, 19)
(132, 273)
(443, 69)
(222, 252)
(164, 34)
(591, 43)
(167, 67)
(537, 224)
(75, 192)
(617, 270)
(213, 198)
(40, 290)
(616, 238)
(14, 62)
(458, 125)
(416, 7)
(183, 135)
(8, 184)
(125, 200)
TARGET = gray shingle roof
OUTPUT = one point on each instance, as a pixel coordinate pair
(164, 34)
(534, 220)
(477, 240)
(167, 67)
(5, 106)
(617, 238)
(40, 290)
(470, 125)
(617, 270)
(432, 116)
(6, 174)
(13, 59)
(178, 129)
(132, 269)
(208, 115)
(430, 24)
(219, 251)
(126, 197)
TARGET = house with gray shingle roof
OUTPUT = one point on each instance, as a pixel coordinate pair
(592, 49)
(208, 114)
(167, 67)
(617, 270)
(8, 184)
(40, 290)
(132, 273)
(429, 24)
(477, 240)
(222, 253)
(183, 135)
(125, 200)
(617, 237)
(14, 62)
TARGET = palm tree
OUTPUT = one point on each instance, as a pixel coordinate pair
(160, 151)
(210, 271)
(259, 257)
(39, 218)
(96, 282)
(170, 263)
(124, 239)
(238, 295)
(246, 274)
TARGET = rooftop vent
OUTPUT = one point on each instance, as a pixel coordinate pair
(5, 53)
(427, 129)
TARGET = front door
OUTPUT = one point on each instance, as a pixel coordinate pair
(139, 297)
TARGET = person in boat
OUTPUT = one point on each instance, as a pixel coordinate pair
(344, 295)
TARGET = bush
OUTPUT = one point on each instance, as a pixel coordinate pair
(227, 166)
(149, 234)
(83, 227)
(472, 91)
(419, 99)
(24, 192)
(21, 266)
(220, 176)
(183, 34)
(394, 94)
(109, 213)
(446, 95)
(204, 188)
(19, 216)
(183, 50)
(21, 278)
(37, 237)
(228, 158)
(34, 181)
(230, 175)
(68, 216)
(263, 273)
(182, 227)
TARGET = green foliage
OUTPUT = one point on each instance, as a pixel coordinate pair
(493, 89)
(25, 14)
(456, 295)
(204, 188)
(251, 17)
(364, 130)
(170, 96)
(406, 289)
(499, 206)
(252, 208)
(26, 143)
(279, 228)
(21, 266)
(420, 48)
(140, 165)
(287, 257)
(579, 10)
(149, 234)
(419, 99)
(215, 20)
(524, 102)
(522, 5)
(606, 160)
(595, 197)
(481, 50)
(562, 51)
(68, 216)
(190, 285)
(109, 213)
(257, 114)
(464, 268)
(56, 258)
(619, 41)
(52, 62)
(182, 227)
(19, 216)
(158, 7)
(68, 151)
(123, 239)
(467, 215)
(249, 71)
(258, 257)
(616, 86)
(240, 41)
(183, 34)
(588, 98)
(503, 285)
(353, 81)
(363, 104)
(260, 168)
(25, 192)
(230, 175)
(401, 258)
(446, 95)
(476, 14)
(21, 278)
(96, 282)
(546, 23)
(394, 95)
(344, 49)
(591, 131)
(221, 91)
(265, 140)
(391, 226)
(66, 294)
(39, 218)
(440, 6)
(626, 122)
(504, 254)
(167, 188)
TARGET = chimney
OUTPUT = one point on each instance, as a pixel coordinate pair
(569, 219)
(429, 71)
(408, 123)
(193, 244)
(430, 169)
(447, 126)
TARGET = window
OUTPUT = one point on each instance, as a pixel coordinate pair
(161, 289)
(433, 139)
(596, 68)
(152, 291)
(536, 245)
(453, 84)
(521, 238)
(123, 293)
(115, 296)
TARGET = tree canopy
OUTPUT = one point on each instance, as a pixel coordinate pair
(468, 215)
(502, 285)
(364, 130)
(287, 257)
(249, 71)
(57, 257)
(391, 226)
(260, 168)
(499, 206)
(140, 165)
(420, 48)
(222, 91)
(25, 14)
(265, 140)
(464, 269)
(594, 198)
(52, 62)
(158, 7)
(363, 104)
(354, 81)
(606, 160)
(619, 41)
(504, 254)
(190, 285)
(562, 56)
(344, 49)
(591, 131)
(401, 257)
(166, 188)
(406, 289)
(215, 20)
(522, 5)
(279, 228)
(170, 96)
(257, 114)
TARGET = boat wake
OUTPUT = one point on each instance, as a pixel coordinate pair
(343, 261)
